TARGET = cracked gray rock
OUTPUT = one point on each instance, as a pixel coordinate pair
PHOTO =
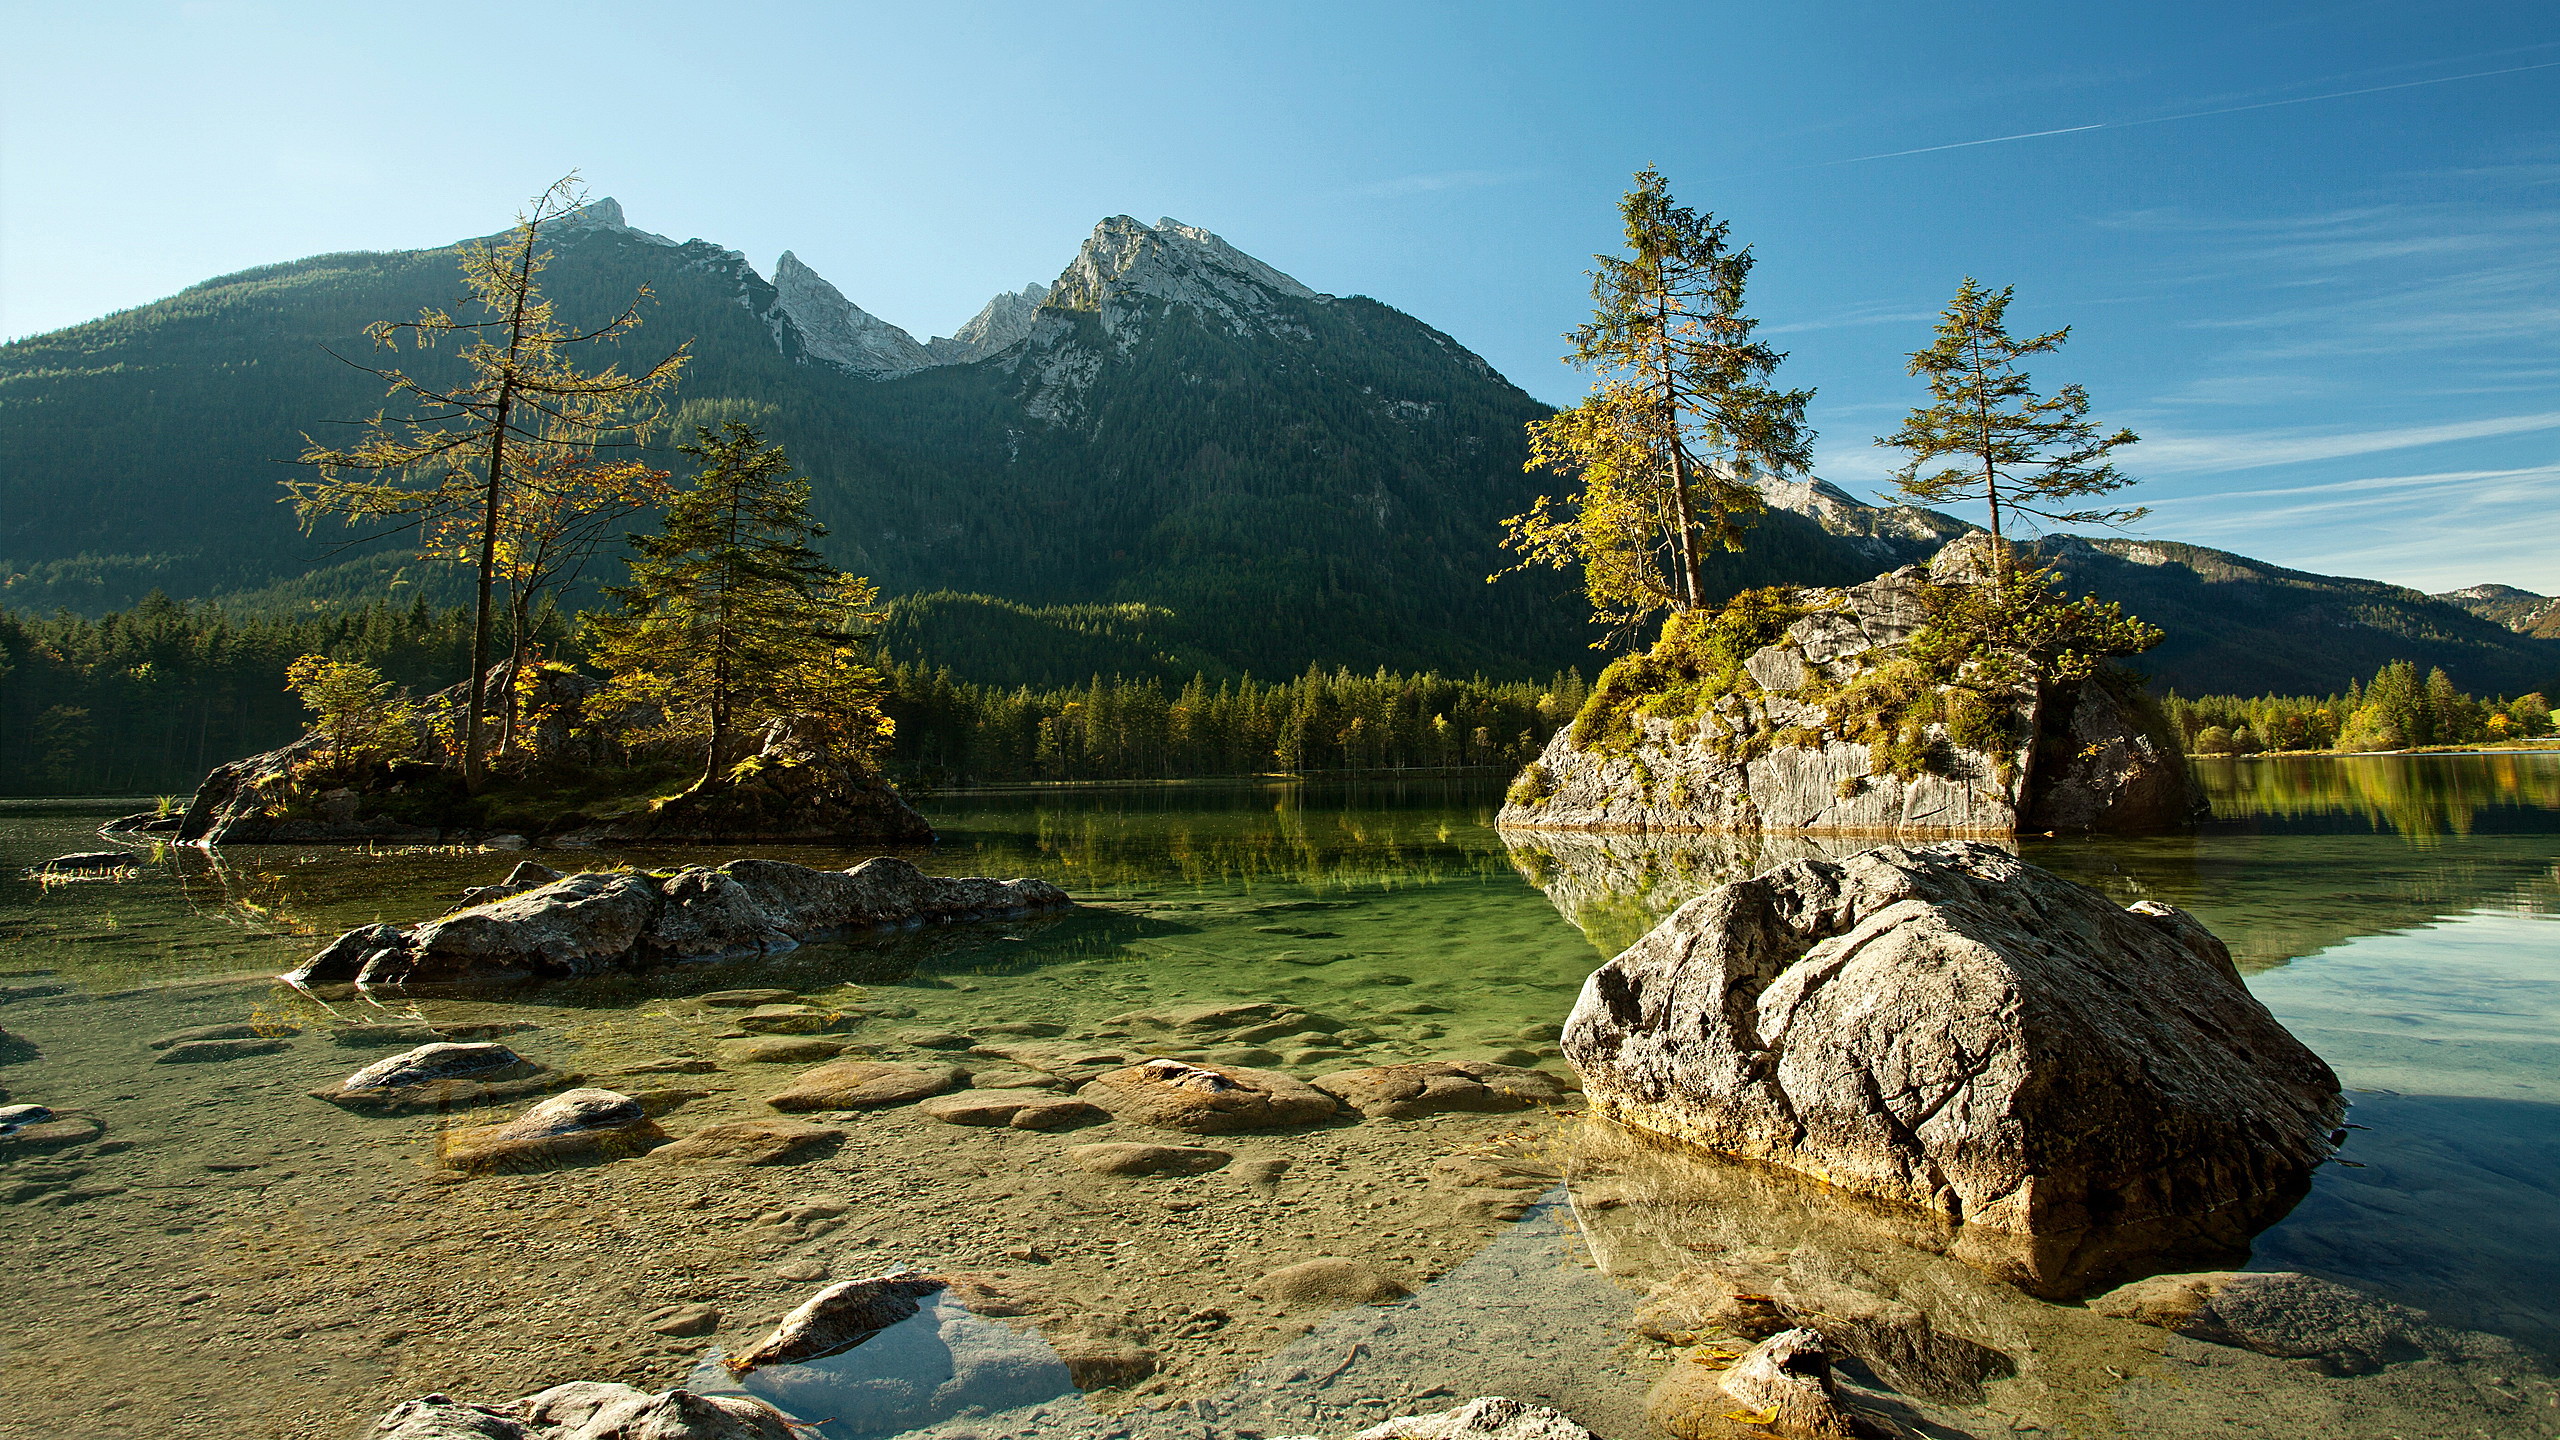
(1950, 1028)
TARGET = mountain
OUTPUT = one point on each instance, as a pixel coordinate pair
(1300, 478)
(2519, 610)
(2241, 626)
(1173, 457)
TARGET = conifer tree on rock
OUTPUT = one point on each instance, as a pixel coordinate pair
(732, 619)
(2018, 452)
(1672, 446)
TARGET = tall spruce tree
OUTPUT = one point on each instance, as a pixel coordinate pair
(2019, 452)
(1671, 446)
(495, 468)
(732, 618)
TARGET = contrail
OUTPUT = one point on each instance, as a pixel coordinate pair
(2165, 119)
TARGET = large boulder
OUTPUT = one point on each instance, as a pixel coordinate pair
(623, 920)
(1776, 752)
(1950, 1028)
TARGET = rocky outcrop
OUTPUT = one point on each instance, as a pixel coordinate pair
(608, 920)
(1776, 752)
(1950, 1028)
(791, 788)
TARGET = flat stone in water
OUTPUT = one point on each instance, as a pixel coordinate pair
(752, 1142)
(1330, 1281)
(794, 1020)
(263, 1030)
(780, 1050)
(196, 1052)
(1020, 1109)
(865, 1085)
(1116, 1158)
(748, 999)
(936, 1039)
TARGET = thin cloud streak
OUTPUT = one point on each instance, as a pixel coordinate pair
(2180, 455)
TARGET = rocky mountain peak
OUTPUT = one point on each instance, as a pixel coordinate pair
(1006, 319)
(2490, 592)
(833, 329)
(1125, 263)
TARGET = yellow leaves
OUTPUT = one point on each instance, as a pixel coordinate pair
(1747, 1417)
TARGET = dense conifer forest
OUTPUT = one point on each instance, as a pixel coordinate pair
(146, 700)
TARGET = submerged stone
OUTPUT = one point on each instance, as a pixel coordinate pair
(1127, 1159)
(752, 1142)
(865, 1085)
(1207, 1099)
(1491, 1417)
(572, 1127)
(839, 1318)
(1407, 1092)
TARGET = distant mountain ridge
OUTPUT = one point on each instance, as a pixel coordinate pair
(2519, 610)
(1173, 456)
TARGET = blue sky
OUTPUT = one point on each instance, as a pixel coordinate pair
(2333, 316)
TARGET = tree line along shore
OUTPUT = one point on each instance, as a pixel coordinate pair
(2398, 710)
(149, 699)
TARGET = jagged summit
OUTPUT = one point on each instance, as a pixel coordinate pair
(601, 213)
(1006, 319)
(834, 329)
(1124, 261)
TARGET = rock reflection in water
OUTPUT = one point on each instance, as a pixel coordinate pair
(1614, 888)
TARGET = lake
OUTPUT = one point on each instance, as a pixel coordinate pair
(229, 1256)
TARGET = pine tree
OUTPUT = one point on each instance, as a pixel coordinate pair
(501, 470)
(2021, 453)
(1672, 445)
(732, 618)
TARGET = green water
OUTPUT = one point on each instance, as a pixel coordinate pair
(232, 1257)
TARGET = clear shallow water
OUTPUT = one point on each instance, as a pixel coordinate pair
(236, 1258)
